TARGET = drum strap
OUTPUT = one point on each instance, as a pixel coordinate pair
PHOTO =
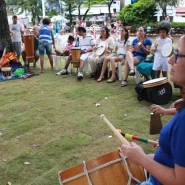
(124, 158)
(86, 173)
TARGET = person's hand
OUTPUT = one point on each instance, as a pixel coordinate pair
(156, 109)
(83, 51)
(54, 47)
(134, 153)
(123, 62)
(172, 105)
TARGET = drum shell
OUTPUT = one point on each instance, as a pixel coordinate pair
(6, 73)
(75, 54)
(114, 173)
(29, 46)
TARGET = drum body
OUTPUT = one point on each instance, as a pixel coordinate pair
(29, 46)
(6, 73)
(109, 169)
(75, 52)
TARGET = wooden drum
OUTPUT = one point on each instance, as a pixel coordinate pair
(75, 52)
(110, 169)
(29, 46)
(6, 73)
(155, 82)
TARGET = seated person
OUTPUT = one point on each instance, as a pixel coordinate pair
(122, 45)
(36, 46)
(167, 165)
(67, 49)
(86, 43)
(95, 59)
(140, 49)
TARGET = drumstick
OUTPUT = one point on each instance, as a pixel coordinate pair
(137, 138)
(122, 139)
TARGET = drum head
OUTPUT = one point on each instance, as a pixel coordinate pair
(76, 48)
(101, 48)
(167, 50)
(155, 82)
(6, 69)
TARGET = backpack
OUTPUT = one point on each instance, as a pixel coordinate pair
(159, 95)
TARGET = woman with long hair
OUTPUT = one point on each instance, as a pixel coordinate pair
(94, 59)
(140, 49)
(167, 165)
(122, 46)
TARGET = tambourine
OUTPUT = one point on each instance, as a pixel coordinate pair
(102, 46)
(167, 50)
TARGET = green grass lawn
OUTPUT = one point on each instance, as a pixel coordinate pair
(53, 123)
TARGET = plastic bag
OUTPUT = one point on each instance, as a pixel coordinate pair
(19, 72)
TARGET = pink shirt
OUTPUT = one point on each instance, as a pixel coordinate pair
(69, 46)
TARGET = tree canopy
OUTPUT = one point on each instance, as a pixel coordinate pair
(139, 13)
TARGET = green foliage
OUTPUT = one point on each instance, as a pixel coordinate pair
(178, 24)
(138, 13)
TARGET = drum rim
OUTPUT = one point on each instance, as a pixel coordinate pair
(159, 79)
(155, 84)
(6, 69)
(76, 48)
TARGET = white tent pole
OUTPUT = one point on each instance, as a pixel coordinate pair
(43, 9)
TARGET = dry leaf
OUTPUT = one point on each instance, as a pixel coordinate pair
(125, 115)
(9, 183)
(109, 137)
(97, 104)
(4, 160)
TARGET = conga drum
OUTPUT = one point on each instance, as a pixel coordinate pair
(6, 73)
(29, 46)
(75, 52)
(110, 169)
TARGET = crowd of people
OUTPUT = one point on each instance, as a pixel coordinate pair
(167, 165)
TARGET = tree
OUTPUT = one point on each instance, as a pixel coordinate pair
(141, 12)
(164, 3)
(109, 3)
(4, 29)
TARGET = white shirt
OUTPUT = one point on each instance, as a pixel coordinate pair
(158, 54)
(87, 42)
(109, 41)
(121, 47)
(16, 29)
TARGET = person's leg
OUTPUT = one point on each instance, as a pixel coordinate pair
(125, 76)
(48, 47)
(157, 74)
(18, 50)
(50, 57)
(105, 63)
(130, 60)
(24, 56)
(164, 73)
(41, 63)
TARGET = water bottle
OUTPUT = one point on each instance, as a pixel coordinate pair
(77, 42)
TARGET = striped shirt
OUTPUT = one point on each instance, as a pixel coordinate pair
(45, 34)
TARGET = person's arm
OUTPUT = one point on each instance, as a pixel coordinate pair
(52, 36)
(160, 110)
(164, 174)
(147, 49)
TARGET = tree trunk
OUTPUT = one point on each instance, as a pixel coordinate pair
(4, 28)
(110, 15)
(85, 15)
(79, 13)
(70, 15)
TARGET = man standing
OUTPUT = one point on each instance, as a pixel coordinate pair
(86, 43)
(17, 30)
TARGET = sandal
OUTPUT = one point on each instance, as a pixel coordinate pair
(100, 79)
(111, 80)
(123, 83)
(132, 72)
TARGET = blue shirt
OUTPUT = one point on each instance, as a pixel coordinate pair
(171, 142)
(45, 34)
(146, 42)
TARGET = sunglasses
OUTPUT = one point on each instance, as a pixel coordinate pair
(176, 54)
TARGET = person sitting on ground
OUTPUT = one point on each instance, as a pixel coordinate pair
(140, 49)
(96, 60)
(122, 46)
(161, 62)
(36, 46)
(86, 43)
(67, 49)
(167, 165)
(46, 39)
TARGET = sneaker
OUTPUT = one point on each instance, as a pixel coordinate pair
(80, 76)
(63, 72)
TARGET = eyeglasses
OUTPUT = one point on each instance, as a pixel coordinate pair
(176, 54)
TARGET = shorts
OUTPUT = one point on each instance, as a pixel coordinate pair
(160, 66)
(17, 48)
(140, 58)
(85, 56)
(45, 47)
(121, 55)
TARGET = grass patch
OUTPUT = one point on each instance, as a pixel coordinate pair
(53, 123)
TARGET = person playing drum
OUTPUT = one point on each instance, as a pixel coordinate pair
(95, 59)
(167, 165)
(86, 43)
(161, 62)
(122, 46)
(140, 49)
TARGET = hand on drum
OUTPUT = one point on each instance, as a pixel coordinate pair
(134, 153)
(157, 109)
(139, 46)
